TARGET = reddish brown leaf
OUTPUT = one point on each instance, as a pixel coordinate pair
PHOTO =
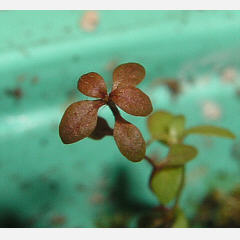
(102, 129)
(92, 85)
(129, 140)
(79, 120)
(132, 100)
(128, 74)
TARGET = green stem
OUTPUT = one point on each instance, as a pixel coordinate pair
(150, 160)
(155, 165)
(179, 193)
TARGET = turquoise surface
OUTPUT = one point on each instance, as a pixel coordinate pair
(44, 183)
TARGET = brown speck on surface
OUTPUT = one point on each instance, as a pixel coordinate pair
(236, 150)
(238, 92)
(211, 110)
(24, 51)
(67, 29)
(21, 78)
(25, 185)
(103, 183)
(76, 58)
(43, 142)
(229, 75)
(81, 187)
(43, 41)
(207, 142)
(173, 86)
(97, 198)
(16, 93)
(35, 80)
(89, 21)
(58, 220)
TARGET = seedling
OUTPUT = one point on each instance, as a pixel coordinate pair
(81, 120)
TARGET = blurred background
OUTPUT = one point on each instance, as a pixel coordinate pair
(192, 67)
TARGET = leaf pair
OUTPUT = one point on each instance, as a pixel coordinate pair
(80, 120)
(170, 129)
(124, 92)
(166, 127)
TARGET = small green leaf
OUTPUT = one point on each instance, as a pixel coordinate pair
(176, 128)
(180, 154)
(210, 131)
(180, 220)
(166, 182)
(158, 125)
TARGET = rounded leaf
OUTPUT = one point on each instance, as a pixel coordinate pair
(102, 129)
(158, 124)
(210, 131)
(79, 121)
(132, 100)
(129, 140)
(128, 74)
(92, 85)
(179, 154)
(166, 182)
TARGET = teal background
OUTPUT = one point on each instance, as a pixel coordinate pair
(43, 53)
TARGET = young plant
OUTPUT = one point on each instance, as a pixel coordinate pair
(167, 178)
(81, 120)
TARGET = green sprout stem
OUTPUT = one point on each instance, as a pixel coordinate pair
(179, 193)
(156, 166)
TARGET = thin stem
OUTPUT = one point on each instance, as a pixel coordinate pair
(179, 193)
(150, 160)
(114, 109)
(155, 165)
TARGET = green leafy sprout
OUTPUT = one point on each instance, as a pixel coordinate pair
(81, 120)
